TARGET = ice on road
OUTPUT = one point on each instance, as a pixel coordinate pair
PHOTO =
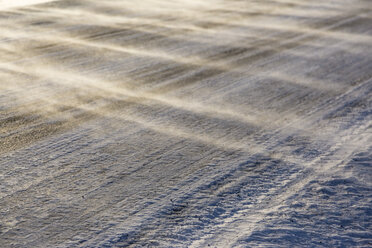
(173, 123)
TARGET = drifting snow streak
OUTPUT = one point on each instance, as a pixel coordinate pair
(185, 123)
(6, 4)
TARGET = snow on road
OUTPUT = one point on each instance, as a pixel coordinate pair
(8, 4)
(185, 123)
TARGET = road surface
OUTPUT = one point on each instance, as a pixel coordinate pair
(172, 123)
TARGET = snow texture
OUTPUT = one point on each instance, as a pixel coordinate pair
(173, 123)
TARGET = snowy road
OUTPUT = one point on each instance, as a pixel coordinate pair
(173, 123)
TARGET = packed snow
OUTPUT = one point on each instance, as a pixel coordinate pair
(173, 123)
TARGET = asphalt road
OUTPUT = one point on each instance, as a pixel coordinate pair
(172, 123)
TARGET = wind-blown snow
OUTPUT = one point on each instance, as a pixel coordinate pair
(185, 123)
(7, 4)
